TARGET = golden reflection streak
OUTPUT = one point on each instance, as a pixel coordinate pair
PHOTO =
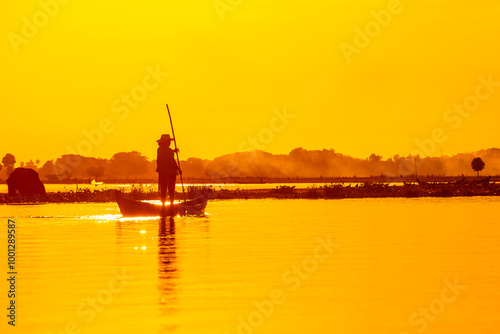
(167, 266)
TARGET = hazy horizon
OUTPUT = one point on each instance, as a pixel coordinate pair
(183, 157)
(299, 162)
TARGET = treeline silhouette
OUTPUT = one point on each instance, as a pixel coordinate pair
(299, 163)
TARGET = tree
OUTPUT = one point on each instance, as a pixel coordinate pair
(95, 171)
(374, 158)
(32, 165)
(128, 164)
(477, 164)
(9, 161)
(47, 170)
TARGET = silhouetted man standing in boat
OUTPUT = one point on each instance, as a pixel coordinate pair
(167, 169)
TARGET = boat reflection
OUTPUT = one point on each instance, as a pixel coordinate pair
(167, 266)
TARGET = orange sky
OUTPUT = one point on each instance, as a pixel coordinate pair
(69, 68)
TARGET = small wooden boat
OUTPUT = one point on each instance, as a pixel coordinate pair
(131, 208)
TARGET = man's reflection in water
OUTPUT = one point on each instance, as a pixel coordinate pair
(167, 266)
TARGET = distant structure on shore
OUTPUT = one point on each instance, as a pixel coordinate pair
(25, 182)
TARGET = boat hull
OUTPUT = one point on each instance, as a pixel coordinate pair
(131, 208)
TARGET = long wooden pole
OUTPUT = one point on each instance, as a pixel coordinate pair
(176, 152)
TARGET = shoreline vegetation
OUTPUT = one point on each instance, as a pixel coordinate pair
(269, 180)
(252, 166)
(345, 188)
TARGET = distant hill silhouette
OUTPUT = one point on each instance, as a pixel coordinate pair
(299, 163)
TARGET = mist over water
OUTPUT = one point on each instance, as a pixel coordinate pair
(299, 163)
(328, 163)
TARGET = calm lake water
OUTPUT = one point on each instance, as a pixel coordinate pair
(260, 266)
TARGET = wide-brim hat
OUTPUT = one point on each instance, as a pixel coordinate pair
(164, 138)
